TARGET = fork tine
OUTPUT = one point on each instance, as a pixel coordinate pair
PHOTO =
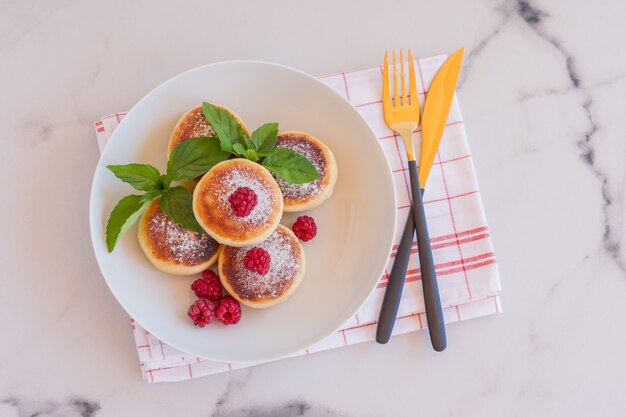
(386, 93)
(412, 82)
(404, 102)
(396, 103)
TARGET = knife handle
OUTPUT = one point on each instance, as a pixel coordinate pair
(395, 283)
(432, 301)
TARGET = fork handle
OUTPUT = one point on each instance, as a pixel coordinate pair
(432, 301)
(395, 283)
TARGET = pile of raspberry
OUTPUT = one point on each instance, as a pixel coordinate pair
(211, 299)
(212, 302)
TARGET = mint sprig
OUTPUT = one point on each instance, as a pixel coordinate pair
(259, 147)
(188, 160)
(194, 157)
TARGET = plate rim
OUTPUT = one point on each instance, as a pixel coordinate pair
(388, 180)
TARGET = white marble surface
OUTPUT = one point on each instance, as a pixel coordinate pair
(543, 97)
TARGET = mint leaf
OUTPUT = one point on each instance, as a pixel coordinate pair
(246, 141)
(123, 216)
(239, 149)
(252, 155)
(290, 166)
(228, 129)
(193, 157)
(177, 203)
(141, 176)
(264, 138)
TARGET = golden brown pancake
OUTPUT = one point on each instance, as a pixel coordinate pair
(300, 197)
(193, 124)
(287, 268)
(215, 214)
(172, 248)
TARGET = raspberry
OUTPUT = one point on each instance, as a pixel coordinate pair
(201, 311)
(258, 260)
(304, 228)
(228, 310)
(243, 200)
(208, 286)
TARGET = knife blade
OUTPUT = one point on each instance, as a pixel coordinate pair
(436, 109)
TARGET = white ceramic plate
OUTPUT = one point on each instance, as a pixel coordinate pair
(345, 260)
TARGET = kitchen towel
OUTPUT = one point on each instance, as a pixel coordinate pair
(462, 249)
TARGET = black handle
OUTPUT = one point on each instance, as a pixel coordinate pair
(434, 313)
(395, 283)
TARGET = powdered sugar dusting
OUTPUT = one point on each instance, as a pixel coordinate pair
(285, 266)
(194, 125)
(177, 244)
(243, 176)
(305, 148)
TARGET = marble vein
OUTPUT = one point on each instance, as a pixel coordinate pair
(547, 92)
(226, 405)
(482, 44)
(73, 407)
(611, 241)
(291, 408)
(535, 19)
